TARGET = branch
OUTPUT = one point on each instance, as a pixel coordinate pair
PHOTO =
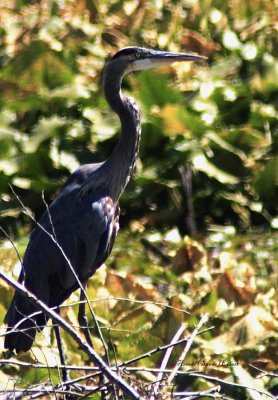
(148, 354)
(189, 343)
(221, 381)
(167, 356)
(12, 243)
(264, 373)
(213, 392)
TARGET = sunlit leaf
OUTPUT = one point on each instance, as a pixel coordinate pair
(256, 325)
(230, 40)
(75, 90)
(244, 378)
(9, 167)
(22, 183)
(201, 163)
(45, 129)
(103, 128)
(224, 145)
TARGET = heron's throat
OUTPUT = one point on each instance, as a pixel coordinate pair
(122, 160)
(120, 164)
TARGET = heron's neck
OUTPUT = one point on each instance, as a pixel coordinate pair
(120, 164)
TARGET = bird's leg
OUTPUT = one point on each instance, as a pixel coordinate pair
(83, 323)
(60, 349)
(65, 376)
(82, 318)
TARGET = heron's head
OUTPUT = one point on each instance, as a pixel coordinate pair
(138, 58)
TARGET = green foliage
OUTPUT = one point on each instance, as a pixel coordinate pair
(219, 117)
(216, 119)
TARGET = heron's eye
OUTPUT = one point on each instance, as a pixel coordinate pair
(137, 55)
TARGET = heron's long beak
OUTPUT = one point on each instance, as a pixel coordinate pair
(173, 57)
(160, 58)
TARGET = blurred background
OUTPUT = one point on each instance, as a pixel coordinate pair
(200, 213)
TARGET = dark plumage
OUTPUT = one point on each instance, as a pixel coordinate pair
(84, 218)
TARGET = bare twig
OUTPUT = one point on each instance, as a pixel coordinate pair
(135, 301)
(123, 365)
(167, 356)
(18, 393)
(12, 243)
(23, 364)
(189, 343)
(263, 372)
(193, 395)
(161, 348)
(221, 381)
(129, 370)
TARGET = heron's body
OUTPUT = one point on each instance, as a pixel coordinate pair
(46, 270)
(84, 218)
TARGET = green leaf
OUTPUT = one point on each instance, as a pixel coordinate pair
(267, 180)
(155, 90)
(27, 57)
(45, 129)
(201, 163)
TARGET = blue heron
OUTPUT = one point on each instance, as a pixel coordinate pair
(84, 218)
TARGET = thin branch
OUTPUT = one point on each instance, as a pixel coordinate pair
(98, 370)
(221, 381)
(91, 389)
(189, 343)
(263, 372)
(192, 395)
(136, 301)
(43, 390)
(145, 355)
(23, 364)
(12, 243)
(161, 348)
(167, 356)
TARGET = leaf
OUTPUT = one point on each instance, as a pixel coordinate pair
(244, 378)
(104, 128)
(225, 145)
(255, 326)
(232, 292)
(267, 180)
(28, 56)
(9, 167)
(120, 286)
(189, 257)
(45, 129)
(154, 91)
(201, 163)
(22, 183)
(230, 40)
(75, 90)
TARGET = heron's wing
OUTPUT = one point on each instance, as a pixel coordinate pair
(74, 236)
(81, 232)
(96, 230)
